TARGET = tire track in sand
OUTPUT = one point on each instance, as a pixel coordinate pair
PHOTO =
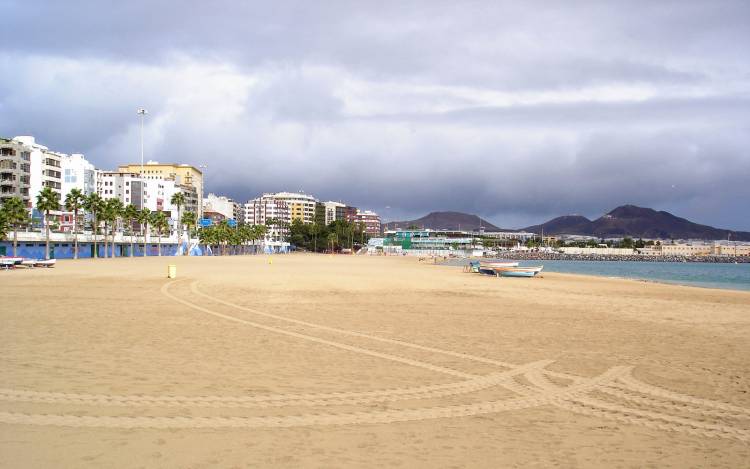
(370, 417)
(279, 400)
(584, 404)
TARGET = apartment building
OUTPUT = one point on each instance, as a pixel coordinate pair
(369, 219)
(44, 168)
(262, 210)
(15, 170)
(223, 205)
(301, 206)
(182, 174)
(77, 173)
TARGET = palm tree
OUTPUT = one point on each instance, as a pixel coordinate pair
(16, 216)
(189, 219)
(332, 240)
(94, 204)
(129, 215)
(3, 224)
(73, 203)
(144, 217)
(178, 200)
(47, 201)
(159, 221)
(112, 212)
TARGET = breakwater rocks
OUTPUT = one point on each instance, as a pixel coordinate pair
(558, 256)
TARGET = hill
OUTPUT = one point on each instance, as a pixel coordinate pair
(446, 221)
(636, 222)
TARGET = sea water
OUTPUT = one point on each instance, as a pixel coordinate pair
(699, 274)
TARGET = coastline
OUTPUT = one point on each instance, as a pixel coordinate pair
(677, 273)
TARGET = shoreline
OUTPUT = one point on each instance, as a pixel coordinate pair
(682, 283)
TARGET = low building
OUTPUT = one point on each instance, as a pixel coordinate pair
(598, 251)
(431, 243)
(514, 235)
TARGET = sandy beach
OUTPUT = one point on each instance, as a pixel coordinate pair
(349, 361)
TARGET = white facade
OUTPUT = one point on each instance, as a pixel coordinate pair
(45, 168)
(261, 210)
(301, 206)
(77, 173)
(330, 208)
(220, 204)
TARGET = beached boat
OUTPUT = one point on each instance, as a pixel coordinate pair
(518, 271)
(10, 262)
(46, 263)
(493, 265)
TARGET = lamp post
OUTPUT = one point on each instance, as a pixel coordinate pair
(142, 112)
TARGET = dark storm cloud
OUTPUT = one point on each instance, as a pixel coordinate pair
(516, 111)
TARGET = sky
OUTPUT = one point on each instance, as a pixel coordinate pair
(515, 111)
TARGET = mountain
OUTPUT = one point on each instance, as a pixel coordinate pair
(446, 221)
(636, 222)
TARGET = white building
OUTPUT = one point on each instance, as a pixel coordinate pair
(45, 168)
(77, 173)
(263, 209)
(334, 211)
(301, 206)
(221, 204)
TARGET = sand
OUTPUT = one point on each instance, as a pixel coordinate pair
(348, 361)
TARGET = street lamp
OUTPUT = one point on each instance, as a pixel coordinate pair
(142, 112)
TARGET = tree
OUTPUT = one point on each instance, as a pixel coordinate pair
(111, 213)
(94, 205)
(4, 225)
(178, 200)
(333, 239)
(189, 219)
(129, 215)
(47, 201)
(144, 217)
(73, 203)
(16, 216)
(627, 243)
(159, 222)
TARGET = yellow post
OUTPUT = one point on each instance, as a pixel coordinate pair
(171, 271)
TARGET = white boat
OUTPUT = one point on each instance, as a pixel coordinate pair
(518, 271)
(46, 263)
(10, 262)
(494, 265)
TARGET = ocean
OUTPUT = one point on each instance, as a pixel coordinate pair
(727, 276)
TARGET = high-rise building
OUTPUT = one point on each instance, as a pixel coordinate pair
(182, 174)
(301, 206)
(339, 211)
(45, 168)
(15, 170)
(369, 219)
(77, 173)
(270, 211)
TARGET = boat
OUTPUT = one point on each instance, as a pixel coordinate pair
(28, 263)
(518, 271)
(10, 262)
(492, 265)
(46, 263)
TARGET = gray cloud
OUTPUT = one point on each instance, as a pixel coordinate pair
(517, 112)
